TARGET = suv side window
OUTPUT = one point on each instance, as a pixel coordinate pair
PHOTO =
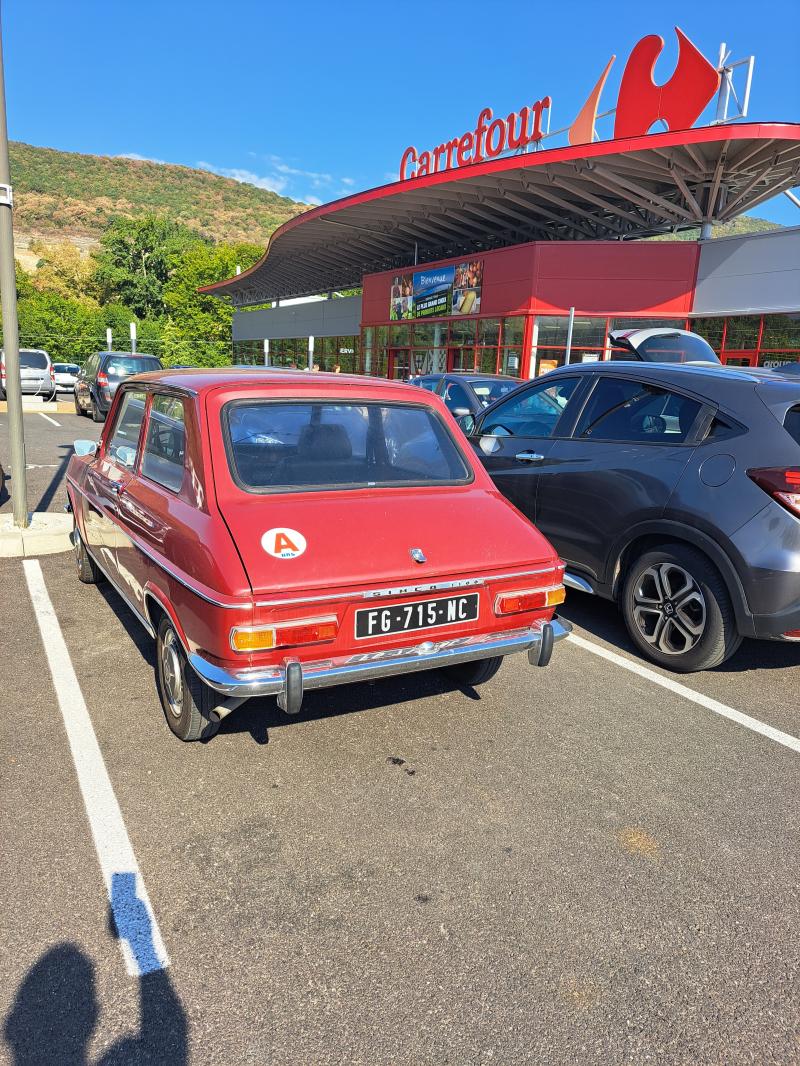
(89, 366)
(635, 411)
(533, 412)
(455, 396)
(165, 446)
(124, 439)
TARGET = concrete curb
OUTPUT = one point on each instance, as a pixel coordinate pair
(47, 534)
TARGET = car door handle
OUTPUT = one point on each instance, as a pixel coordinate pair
(528, 457)
(115, 488)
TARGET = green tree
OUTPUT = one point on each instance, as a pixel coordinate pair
(61, 269)
(204, 320)
(70, 330)
(136, 260)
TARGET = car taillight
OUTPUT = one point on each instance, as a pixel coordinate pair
(52, 373)
(529, 600)
(782, 484)
(284, 634)
(102, 379)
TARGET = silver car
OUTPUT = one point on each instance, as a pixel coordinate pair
(66, 374)
(36, 372)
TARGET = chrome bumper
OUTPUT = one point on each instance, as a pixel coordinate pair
(288, 680)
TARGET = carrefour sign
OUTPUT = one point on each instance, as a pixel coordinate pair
(678, 103)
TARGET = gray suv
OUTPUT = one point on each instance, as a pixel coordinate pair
(101, 375)
(36, 374)
(673, 490)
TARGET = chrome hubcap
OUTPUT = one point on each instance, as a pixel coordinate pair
(669, 609)
(171, 673)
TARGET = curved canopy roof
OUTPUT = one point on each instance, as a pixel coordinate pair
(619, 189)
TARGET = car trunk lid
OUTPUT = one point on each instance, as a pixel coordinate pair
(292, 543)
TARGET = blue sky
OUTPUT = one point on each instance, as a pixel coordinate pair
(318, 100)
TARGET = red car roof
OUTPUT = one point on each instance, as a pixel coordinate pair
(206, 379)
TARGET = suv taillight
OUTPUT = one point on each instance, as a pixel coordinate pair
(102, 379)
(781, 484)
(52, 373)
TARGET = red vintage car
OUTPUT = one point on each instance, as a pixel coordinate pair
(277, 532)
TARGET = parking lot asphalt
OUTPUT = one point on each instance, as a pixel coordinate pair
(568, 865)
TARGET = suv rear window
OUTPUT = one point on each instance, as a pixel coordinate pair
(792, 423)
(276, 447)
(122, 366)
(33, 360)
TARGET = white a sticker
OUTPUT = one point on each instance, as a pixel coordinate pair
(283, 543)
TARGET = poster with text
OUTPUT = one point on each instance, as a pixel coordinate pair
(433, 292)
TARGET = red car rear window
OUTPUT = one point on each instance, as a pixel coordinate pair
(277, 446)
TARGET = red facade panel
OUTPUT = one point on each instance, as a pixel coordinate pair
(603, 277)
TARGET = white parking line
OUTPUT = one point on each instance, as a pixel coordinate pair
(41, 414)
(710, 704)
(134, 921)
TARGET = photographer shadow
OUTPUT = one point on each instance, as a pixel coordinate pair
(56, 1009)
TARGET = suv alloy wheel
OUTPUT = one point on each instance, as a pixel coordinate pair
(677, 609)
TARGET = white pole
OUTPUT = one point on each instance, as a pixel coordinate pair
(266, 352)
(570, 324)
(133, 336)
(310, 353)
(109, 340)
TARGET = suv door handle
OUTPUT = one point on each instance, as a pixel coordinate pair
(528, 457)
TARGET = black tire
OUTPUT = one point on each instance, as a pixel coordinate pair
(88, 570)
(677, 609)
(474, 673)
(97, 414)
(188, 703)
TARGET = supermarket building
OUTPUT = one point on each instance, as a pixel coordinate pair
(478, 256)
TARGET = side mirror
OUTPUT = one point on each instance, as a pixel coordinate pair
(459, 412)
(466, 422)
(85, 447)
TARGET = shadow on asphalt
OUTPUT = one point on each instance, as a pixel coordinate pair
(56, 1009)
(57, 479)
(601, 619)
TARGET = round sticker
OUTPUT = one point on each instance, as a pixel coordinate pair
(283, 543)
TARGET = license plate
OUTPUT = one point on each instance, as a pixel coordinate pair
(422, 614)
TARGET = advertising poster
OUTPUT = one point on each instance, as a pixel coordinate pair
(433, 292)
(452, 290)
(402, 297)
(467, 284)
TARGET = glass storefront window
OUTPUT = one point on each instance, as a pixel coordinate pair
(381, 336)
(710, 329)
(425, 334)
(588, 332)
(742, 332)
(781, 331)
(462, 333)
(399, 335)
(514, 330)
(487, 360)
(489, 331)
(511, 362)
(648, 323)
(551, 329)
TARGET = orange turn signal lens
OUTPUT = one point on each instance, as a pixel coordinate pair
(529, 600)
(284, 634)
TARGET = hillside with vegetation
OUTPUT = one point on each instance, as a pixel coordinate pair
(65, 195)
(737, 228)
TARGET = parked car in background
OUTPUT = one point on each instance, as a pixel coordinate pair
(466, 393)
(65, 374)
(661, 345)
(672, 490)
(36, 372)
(100, 377)
(320, 551)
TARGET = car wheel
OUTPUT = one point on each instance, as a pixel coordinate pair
(78, 408)
(474, 673)
(187, 702)
(88, 570)
(97, 414)
(678, 611)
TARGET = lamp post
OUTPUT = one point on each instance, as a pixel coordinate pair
(8, 298)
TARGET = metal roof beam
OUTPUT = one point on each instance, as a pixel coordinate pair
(569, 223)
(688, 196)
(592, 198)
(546, 194)
(642, 191)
